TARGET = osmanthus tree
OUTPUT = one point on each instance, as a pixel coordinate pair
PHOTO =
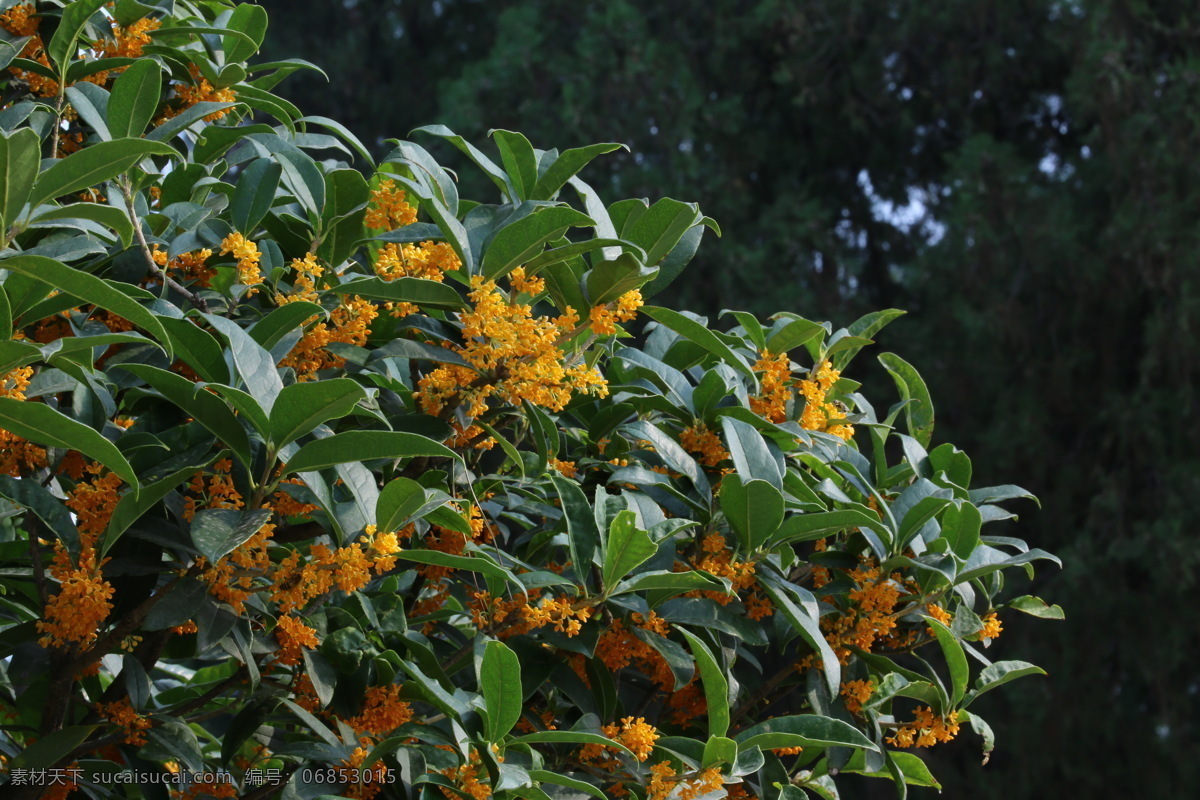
(319, 483)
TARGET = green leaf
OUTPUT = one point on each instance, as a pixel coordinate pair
(719, 750)
(43, 425)
(178, 124)
(89, 289)
(693, 331)
(93, 165)
(805, 621)
(20, 157)
(911, 766)
(627, 547)
(488, 568)
(817, 525)
(341, 130)
(218, 531)
(342, 448)
(794, 334)
(251, 21)
(667, 579)
(960, 528)
(301, 407)
(255, 194)
(271, 329)
(716, 685)
(754, 509)
(582, 533)
(346, 195)
(52, 748)
(956, 660)
(198, 403)
(661, 227)
(134, 99)
(500, 682)
(46, 507)
(543, 776)
(252, 361)
(750, 453)
(919, 412)
(1000, 673)
(108, 216)
(424, 293)
(155, 487)
(75, 17)
(566, 166)
(198, 348)
(519, 160)
(1037, 607)
(520, 241)
(805, 730)
(399, 500)
(610, 279)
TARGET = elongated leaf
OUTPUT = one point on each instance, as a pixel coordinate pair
(198, 348)
(424, 293)
(178, 124)
(488, 166)
(346, 196)
(524, 239)
(157, 486)
(918, 412)
(956, 660)
(804, 621)
(218, 531)
(342, 131)
(582, 533)
(110, 217)
(806, 527)
(754, 509)
(1001, 673)
(301, 407)
(571, 737)
(399, 500)
(251, 22)
(19, 160)
(626, 548)
(519, 160)
(667, 579)
(50, 749)
(661, 227)
(89, 289)
(716, 685)
(500, 682)
(61, 49)
(750, 454)
(271, 329)
(198, 403)
(803, 730)
(46, 507)
(693, 331)
(43, 425)
(254, 364)
(566, 166)
(350, 446)
(255, 194)
(94, 164)
(134, 99)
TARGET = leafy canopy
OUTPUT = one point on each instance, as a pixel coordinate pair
(341, 482)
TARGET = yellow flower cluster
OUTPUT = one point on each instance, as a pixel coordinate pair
(428, 260)
(819, 415)
(348, 324)
(294, 637)
(774, 389)
(665, 783)
(18, 455)
(304, 285)
(604, 317)
(618, 647)
(388, 209)
(559, 613)
(718, 560)
(382, 711)
(199, 91)
(869, 617)
(247, 255)
(84, 599)
(23, 20)
(348, 568)
(363, 786)
(191, 267)
(565, 468)
(991, 627)
(926, 729)
(126, 42)
(855, 693)
(513, 356)
(636, 734)
(467, 779)
(121, 713)
(706, 444)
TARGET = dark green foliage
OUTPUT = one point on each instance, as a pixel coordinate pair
(1053, 144)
